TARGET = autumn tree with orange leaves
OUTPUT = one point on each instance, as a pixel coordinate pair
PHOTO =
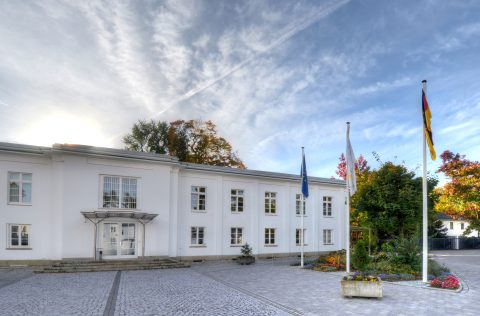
(460, 198)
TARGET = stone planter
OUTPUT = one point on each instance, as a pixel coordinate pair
(353, 288)
(245, 260)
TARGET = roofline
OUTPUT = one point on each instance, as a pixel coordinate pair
(112, 152)
(153, 157)
(25, 149)
(259, 173)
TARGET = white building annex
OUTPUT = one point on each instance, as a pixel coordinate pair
(75, 201)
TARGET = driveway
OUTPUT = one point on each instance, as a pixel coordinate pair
(224, 288)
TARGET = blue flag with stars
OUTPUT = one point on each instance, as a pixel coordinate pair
(304, 176)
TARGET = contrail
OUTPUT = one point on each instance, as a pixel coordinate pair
(291, 30)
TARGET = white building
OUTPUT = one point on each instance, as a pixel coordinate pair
(456, 227)
(73, 201)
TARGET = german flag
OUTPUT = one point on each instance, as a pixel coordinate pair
(427, 116)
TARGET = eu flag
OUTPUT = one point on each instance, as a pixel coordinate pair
(304, 176)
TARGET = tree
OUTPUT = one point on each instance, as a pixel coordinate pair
(148, 136)
(361, 166)
(460, 198)
(192, 141)
(392, 199)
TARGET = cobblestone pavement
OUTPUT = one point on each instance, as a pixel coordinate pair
(184, 292)
(224, 288)
(57, 294)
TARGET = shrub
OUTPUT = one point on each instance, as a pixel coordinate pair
(436, 268)
(450, 282)
(387, 267)
(360, 258)
(436, 283)
(405, 251)
(246, 250)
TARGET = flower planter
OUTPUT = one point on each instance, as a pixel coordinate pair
(354, 288)
(245, 260)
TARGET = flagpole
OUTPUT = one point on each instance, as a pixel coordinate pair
(425, 201)
(302, 210)
(347, 243)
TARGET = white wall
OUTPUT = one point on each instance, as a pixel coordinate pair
(65, 184)
(457, 228)
(218, 218)
(82, 192)
(38, 214)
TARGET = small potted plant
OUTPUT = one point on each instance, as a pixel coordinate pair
(246, 257)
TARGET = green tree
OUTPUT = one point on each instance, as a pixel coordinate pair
(192, 141)
(460, 198)
(392, 199)
(148, 136)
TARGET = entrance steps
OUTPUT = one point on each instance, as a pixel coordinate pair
(111, 265)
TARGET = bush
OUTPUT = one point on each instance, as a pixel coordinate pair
(405, 251)
(436, 283)
(360, 258)
(387, 267)
(450, 282)
(436, 268)
(246, 250)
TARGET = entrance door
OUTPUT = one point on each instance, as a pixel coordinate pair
(119, 240)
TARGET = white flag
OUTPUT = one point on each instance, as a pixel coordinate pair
(350, 157)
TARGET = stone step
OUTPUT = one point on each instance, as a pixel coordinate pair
(93, 266)
(105, 263)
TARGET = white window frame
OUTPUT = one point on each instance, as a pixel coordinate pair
(198, 194)
(20, 183)
(271, 203)
(121, 204)
(297, 237)
(237, 200)
(195, 238)
(328, 236)
(298, 202)
(327, 206)
(236, 236)
(19, 230)
(270, 235)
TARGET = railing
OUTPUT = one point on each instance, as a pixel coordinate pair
(454, 243)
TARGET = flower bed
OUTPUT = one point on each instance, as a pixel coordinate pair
(450, 282)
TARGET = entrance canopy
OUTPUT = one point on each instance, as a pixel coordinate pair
(98, 216)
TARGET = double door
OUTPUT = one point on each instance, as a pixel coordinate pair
(119, 240)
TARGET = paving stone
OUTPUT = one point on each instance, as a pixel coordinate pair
(225, 288)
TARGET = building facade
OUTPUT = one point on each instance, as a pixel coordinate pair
(74, 201)
(456, 227)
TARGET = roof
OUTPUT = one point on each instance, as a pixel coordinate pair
(443, 216)
(259, 173)
(145, 156)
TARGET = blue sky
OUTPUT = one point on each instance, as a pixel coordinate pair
(273, 75)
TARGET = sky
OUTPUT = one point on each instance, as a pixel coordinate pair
(272, 75)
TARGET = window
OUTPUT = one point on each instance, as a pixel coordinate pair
(462, 226)
(236, 236)
(19, 188)
(327, 206)
(451, 225)
(270, 202)
(119, 192)
(236, 201)
(327, 237)
(197, 236)
(269, 236)
(18, 236)
(199, 197)
(297, 237)
(298, 202)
